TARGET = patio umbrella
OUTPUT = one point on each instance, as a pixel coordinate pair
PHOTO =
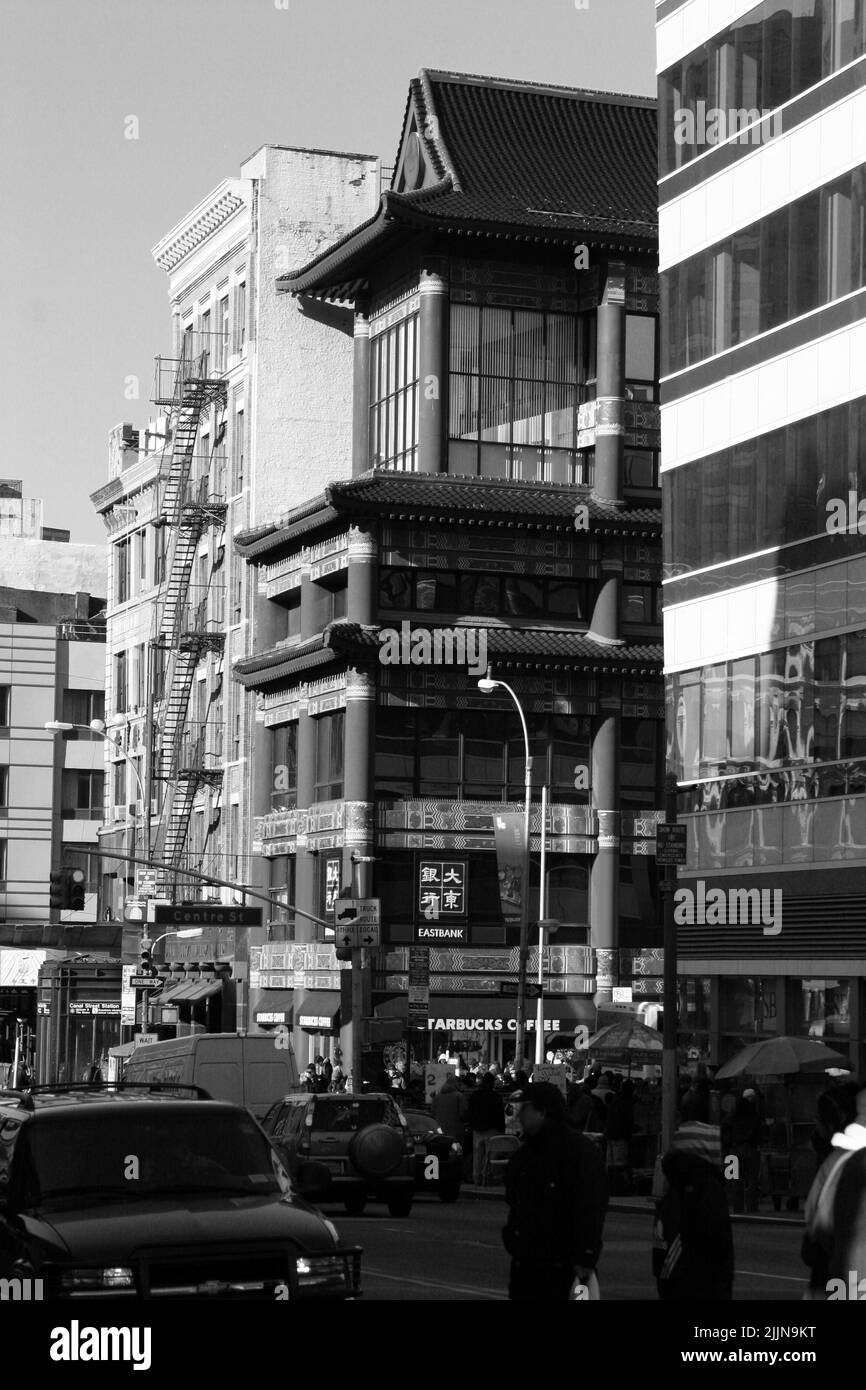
(780, 1057)
(627, 1041)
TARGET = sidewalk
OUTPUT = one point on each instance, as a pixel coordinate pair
(644, 1206)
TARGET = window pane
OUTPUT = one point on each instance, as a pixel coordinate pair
(560, 348)
(439, 746)
(743, 692)
(464, 338)
(479, 594)
(523, 597)
(496, 343)
(714, 746)
(565, 599)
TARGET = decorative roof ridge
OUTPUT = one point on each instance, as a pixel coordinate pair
(598, 94)
(216, 208)
(435, 135)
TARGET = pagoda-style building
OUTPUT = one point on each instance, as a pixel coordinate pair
(503, 509)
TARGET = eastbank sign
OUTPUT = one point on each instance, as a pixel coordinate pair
(488, 1025)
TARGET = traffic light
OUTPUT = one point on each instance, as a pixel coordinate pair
(57, 888)
(343, 952)
(145, 965)
(75, 889)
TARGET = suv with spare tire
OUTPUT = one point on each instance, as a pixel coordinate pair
(362, 1140)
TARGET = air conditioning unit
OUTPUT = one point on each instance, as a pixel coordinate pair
(119, 812)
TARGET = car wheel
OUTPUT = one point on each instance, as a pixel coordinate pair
(377, 1150)
(355, 1205)
(400, 1206)
(449, 1192)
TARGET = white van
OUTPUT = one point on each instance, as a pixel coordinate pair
(250, 1071)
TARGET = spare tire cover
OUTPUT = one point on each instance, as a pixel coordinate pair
(377, 1150)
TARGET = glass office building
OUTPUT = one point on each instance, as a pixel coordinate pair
(762, 222)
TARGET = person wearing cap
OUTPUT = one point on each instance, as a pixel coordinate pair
(556, 1192)
(693, 1259)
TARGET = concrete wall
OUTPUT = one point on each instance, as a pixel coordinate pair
(53, 566)
(304, 201)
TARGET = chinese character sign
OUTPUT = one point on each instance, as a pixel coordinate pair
(332, 884)
(442, 888)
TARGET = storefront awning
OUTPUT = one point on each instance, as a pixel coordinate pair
(170, 992)
(199, 990)
(274, 1007)
(319, 1011)
(494, 1013)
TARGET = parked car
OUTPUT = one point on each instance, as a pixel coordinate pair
(362, 1140)
(431, 1141)
(109, 1193)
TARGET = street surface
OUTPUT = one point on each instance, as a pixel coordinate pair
(455, 1253)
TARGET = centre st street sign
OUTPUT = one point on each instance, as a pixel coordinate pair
(206, 915)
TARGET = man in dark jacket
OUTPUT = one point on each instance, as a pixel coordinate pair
(556, 1192)
(694, 1259)
(485, 1117)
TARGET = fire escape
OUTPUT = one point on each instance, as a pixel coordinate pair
(187, 508)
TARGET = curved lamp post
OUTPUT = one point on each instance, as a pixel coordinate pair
(487, 685)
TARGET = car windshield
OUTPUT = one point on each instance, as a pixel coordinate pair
(336, 1113)
(159, 1152)
(419, 1123)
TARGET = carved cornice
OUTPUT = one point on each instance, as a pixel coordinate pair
(201, 223)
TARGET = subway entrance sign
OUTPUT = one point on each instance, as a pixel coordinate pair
(206, 915)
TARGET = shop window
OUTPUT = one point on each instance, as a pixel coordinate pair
(822, 1008)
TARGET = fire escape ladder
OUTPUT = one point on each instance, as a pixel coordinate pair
(187, 509)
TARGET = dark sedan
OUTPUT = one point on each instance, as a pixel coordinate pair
(438, 1157)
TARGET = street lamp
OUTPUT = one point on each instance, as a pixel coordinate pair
(487, 685)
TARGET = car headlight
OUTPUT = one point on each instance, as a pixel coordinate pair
(115, 1277)
(457, 1149)
(322, 1271)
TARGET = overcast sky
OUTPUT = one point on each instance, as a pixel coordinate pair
(209, 80)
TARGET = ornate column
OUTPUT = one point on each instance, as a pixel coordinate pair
(361, 601)
(604, 870)
(310, 624)
(610, 403)
(432, 371)
(607, 610)
(358, 779)
(358, 843)
(361, 390)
